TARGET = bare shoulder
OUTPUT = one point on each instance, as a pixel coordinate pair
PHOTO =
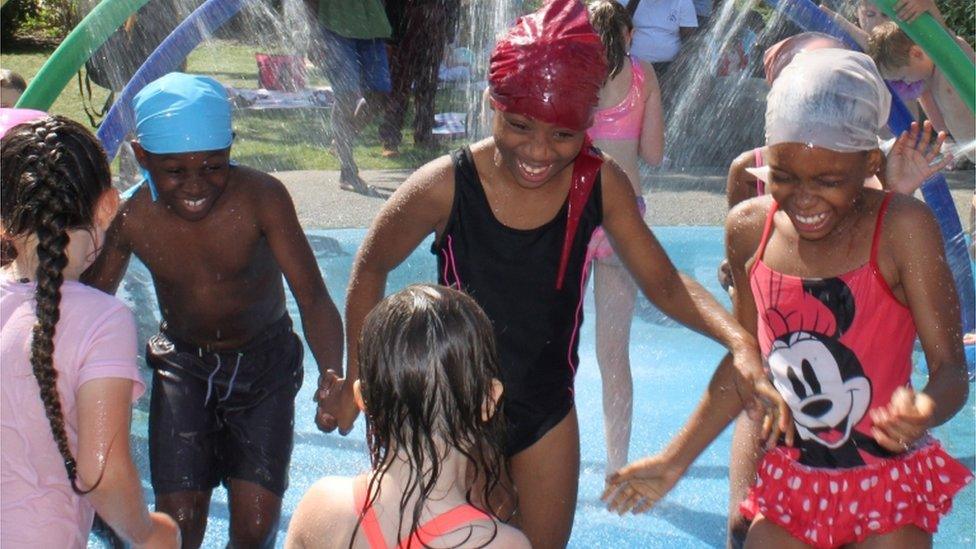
(510, 537)
(650, 75)
(325, 513)
(744, 226)
(432, 181)
(258, 184)
(749, 215)
(908, 220)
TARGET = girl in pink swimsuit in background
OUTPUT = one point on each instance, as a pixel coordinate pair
(628, 125)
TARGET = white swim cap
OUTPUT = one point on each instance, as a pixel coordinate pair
(830, 98)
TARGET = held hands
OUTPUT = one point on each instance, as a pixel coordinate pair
(336, 405)
(912, 160)
(903, 421)
(640, 485)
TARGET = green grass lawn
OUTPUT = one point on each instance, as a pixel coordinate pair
(287, 139)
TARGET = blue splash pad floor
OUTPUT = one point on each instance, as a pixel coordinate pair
(671, 367)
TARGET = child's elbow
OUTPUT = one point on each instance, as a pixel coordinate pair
(652, 155)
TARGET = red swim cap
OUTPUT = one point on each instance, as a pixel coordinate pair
(550, 66)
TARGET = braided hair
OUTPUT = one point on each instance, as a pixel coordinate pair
(52, 173)
(612, 22)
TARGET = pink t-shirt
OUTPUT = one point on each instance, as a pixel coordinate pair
(95, 338)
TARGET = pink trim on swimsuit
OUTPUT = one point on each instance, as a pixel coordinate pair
(625, 119)
(424, 534)
(599, 246)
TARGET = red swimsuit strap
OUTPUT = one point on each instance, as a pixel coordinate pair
(444, 524)
(767, 230)
(425, 533)
(370, 524)
(876, 239)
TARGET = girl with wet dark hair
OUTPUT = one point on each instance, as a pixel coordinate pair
(69, 372)
(429, 388)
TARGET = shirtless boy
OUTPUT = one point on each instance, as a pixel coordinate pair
(217, 239)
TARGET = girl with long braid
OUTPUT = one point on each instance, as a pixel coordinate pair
(69, 372)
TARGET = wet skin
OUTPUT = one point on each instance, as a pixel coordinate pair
(525, 170)
(807, 182)
(217, 243)
(817, 188)
(206, 243)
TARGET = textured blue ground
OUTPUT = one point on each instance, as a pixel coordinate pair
(671, 368)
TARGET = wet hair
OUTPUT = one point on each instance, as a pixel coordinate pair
(612, 22)
(52, 173)
(426, 362)
(889, 46)
(10, 79)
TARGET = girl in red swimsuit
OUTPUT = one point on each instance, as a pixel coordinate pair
(429, 387)
(836, 280)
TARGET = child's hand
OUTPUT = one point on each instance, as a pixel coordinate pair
(336, 406)
(640, 485)
(760, 399)
(903, 421)
(910, 162)
(909, 10)
(777, 418)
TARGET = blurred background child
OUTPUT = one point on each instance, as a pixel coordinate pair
(627, 125)
(12, 86)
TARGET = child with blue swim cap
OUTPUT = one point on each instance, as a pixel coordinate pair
(181, 113)
(217, 238)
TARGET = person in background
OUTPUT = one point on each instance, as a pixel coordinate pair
(12, 86)
(354, 60)
(627, 125)
(898, 58)
(661, 26)
(422, 33)
(913, 94)
(703, 10)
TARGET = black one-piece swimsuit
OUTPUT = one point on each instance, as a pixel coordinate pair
(512, 273)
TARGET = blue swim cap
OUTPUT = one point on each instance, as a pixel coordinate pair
(181, 113)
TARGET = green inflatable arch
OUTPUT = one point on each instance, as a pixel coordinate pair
(942, 48)
(75, 50)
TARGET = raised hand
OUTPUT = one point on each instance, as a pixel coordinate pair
(913, 160)
(903, 421)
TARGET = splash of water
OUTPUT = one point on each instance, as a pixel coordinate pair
(482, 22)
(714, 93)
